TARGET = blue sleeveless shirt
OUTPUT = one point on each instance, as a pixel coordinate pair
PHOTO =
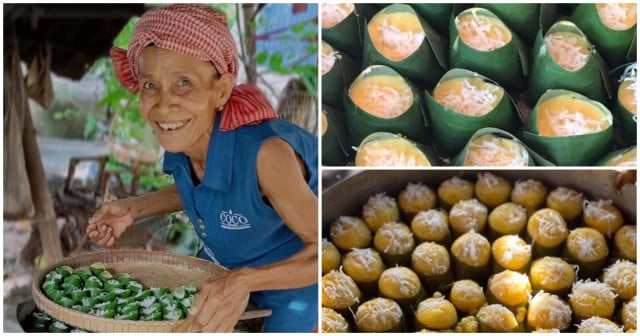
(237, 226)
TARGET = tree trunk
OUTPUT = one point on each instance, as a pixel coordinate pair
(248, 16)
(45, 215)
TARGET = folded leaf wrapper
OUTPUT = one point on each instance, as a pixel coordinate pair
(568, 128)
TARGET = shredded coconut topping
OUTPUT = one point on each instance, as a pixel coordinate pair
(584, 290)
(332, 14)
(333, 322)
(380, 311)
(597, 324)
(434, 256)
(339, 286)
(480, 32)
(468, 214)
(378, 201)
(364, 257)
(328, 60)
(566, 50)
(398, 235)
(472, 100)
(415, 191)
(434, 220)
(551, 224)
(564, 194)
(551, 307)
(405, 279)
(568, 122)
(616, 16)
(343, 225)
(403, 43)
(379, 154)
(385, 101)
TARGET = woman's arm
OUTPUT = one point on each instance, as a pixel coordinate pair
(161, 202)
(282, 181)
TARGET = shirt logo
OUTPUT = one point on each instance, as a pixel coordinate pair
(231, 221)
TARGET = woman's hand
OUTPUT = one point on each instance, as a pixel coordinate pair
(218, 305)
(110, 221)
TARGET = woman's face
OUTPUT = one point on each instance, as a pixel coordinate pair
(179, 96)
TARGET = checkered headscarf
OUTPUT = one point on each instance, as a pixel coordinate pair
(200, 32)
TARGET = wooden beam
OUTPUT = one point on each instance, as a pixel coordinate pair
(45, 215)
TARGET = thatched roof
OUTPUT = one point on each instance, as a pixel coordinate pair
(78, 33)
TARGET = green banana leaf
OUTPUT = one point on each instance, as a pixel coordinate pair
(452, 130)
(507, 65)
(419, 151)
(520, 16)
(617, 157)
(437, 15)
(533, 157)
(613, 45)
(425, 65)
(336, 80)
(335, 146)
(347, 35)
(577, 150)
(626, 120)
(590, 80)
(412, 123)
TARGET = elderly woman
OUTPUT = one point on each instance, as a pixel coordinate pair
(246, 179)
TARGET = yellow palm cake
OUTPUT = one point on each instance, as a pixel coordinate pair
(436, 313)
(482, 33)
(363, 265)
(323, 123)
(563, 116)
(395, 242)
(469, 96)
(511, 252)
(598, 324)
(566, 201)
(622, 277)
(629, 314)
(416, 197)
(339, 291)
(453, 190)
(552, 274)
(431, 225)
(547, 228)
(548, 311)
(496, 318)
(592, 298)
(617, 16)
(510, 288)
(382, 96)
(349, 232)
(399, 283)
(603, 216)
(328, 58)
(468, 215)
(508, 218)
(569, 50)
(378, 315)
(492, 190)
(625, 241)
(531, 194)
(396, 35)
(333, 322)
(628, 94)
(333, 14)
(390, 152)
(489, 150)
(380, 209)
(330, 256)
(467, 296)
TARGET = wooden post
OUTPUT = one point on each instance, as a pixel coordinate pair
(45, 215)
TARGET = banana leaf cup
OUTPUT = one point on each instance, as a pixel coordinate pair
(338, 71)
(343, 25)
(611, 27)
(383, 149)
(436, 14)
(499, 54)
(568, 128)
(525, 19)
(626, 107)
(494, 147)
(399, 38)
(381, 100)
(455, 116)
(335, 145)
(564, 59)
(627, 157)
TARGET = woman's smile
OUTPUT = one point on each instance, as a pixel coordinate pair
(170, 126)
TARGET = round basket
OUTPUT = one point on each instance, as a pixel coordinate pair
(150, 268)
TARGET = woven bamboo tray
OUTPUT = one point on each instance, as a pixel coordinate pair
(150, 268)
